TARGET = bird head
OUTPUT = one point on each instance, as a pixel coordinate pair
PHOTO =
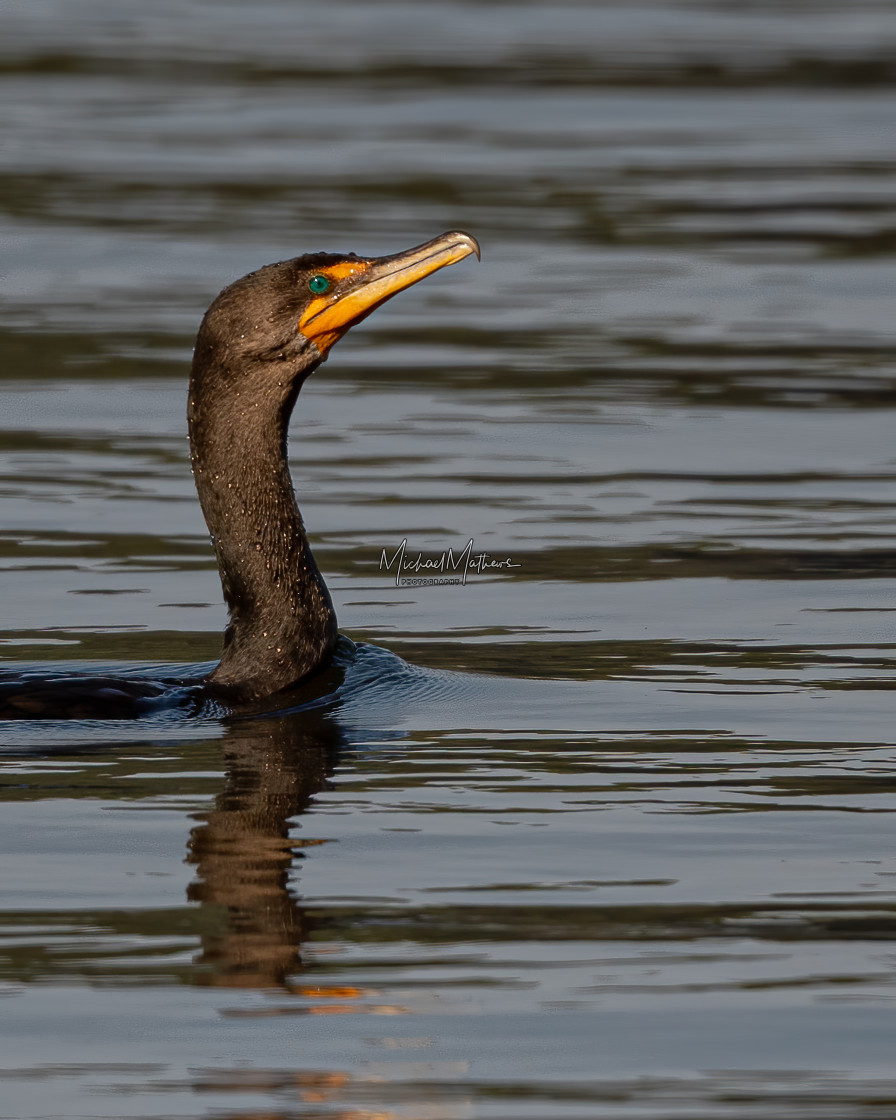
(294, 312)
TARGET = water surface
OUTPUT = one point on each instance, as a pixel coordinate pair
(625, 847)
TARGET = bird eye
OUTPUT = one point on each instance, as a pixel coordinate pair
(319, 285)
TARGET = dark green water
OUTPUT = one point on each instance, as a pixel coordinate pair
(639, 860)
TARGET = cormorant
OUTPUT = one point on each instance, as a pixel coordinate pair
(258, 342)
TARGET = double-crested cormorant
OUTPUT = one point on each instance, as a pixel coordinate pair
(258, 342)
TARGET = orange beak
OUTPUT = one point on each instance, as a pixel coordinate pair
(361, 286)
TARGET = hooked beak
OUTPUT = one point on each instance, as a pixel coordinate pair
(371, 282)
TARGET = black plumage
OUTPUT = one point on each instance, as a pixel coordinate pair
(258, 342)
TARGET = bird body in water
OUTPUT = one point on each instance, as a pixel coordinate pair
(258, 342)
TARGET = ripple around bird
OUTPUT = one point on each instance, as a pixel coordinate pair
(605, 834)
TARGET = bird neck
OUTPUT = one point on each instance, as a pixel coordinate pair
(282, 624)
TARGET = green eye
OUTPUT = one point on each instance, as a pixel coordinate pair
(319, 285)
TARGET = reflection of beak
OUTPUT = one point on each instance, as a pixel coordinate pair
(372, 282)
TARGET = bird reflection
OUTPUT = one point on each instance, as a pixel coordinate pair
(243, 851)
